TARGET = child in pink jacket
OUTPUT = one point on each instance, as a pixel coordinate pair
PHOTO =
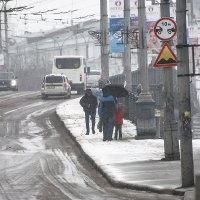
(118, 121)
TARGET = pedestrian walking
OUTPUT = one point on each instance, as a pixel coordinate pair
(97, 92)
(89, 104)
(106, 113)
(100, 123)
(118, 121)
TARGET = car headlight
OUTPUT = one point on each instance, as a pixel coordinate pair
(13, 83)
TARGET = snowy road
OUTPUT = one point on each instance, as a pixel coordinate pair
(39, 160)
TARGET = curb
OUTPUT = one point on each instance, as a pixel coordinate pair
(120, 184)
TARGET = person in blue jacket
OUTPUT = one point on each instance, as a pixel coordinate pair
(106, 111)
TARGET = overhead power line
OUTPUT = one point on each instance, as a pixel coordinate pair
(17, 9)
(84, 16)
(70, 11)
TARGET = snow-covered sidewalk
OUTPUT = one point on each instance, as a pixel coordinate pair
(127, 161)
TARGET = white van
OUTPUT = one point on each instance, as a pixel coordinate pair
(55, 85)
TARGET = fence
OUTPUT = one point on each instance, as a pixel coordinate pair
(155, 88)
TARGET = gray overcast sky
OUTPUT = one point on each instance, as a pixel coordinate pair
(32, 21)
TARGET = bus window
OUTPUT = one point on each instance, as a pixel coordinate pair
(67, 63)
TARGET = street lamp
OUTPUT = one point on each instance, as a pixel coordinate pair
(87, 51)
(86, 44)
(55, 39)
(60, 46)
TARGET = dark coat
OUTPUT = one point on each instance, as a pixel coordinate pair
(89, 103)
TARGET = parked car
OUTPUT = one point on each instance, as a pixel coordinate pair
(55, 85)
(8, 81)
(92, 79)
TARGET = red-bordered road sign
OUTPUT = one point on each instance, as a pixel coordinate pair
(166, 57)
(165, 28)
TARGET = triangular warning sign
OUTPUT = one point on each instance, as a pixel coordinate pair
(166, 57)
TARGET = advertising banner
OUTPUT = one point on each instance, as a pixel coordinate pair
(152, 12)
(116, 8)
(116, 35)
(134, 8)
(116, 15)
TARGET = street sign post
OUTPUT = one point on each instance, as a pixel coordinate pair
(165, 28)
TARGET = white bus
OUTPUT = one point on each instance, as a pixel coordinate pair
(74, 68)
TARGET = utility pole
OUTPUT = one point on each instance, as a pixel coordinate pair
(76, 40)
(6, 39)
(197, 187)
(146, 122)
(187, 166)
(171, 143)
(104, 41)
(1, 50)
(191, 13)
(72, 21)
(127, 49)
(6, 62)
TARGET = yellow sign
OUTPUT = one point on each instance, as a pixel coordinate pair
(166, 57)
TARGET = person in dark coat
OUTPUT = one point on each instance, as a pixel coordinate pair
(106, 113)
(89, 104)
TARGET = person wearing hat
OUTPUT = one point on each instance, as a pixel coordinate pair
(89, 104)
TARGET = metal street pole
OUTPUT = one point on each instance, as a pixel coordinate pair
(197, 187)
(1, 50)
(86, 53)
(6, 62)
(104, 40)
(86, 41)
(127, 49)
(146, 122)
(171, 143)
(187, 165)
(60, 45)
(6, 39)
(143, 49)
